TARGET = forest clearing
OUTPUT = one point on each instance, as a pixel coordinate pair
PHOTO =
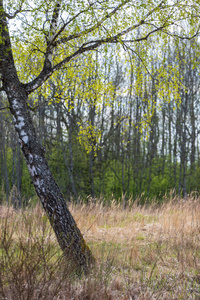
(142, 252)
(99, 98)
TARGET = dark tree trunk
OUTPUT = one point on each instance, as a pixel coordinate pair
(19, 173)
(5, 169)
(163, 142)
(170, 138)
(69, 162)
(69, 236)
(91, 155)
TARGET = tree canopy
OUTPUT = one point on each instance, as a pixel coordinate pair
(46, 36)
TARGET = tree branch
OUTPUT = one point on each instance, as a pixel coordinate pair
(6, 107)
(52, 32)
(20, 10)
(48, 70)
(175, 35)
(92, 45)
(33, 108)
(74, 36)
(54, 21)
(16, 13)
(64, 26)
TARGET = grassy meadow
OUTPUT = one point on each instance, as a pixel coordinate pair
(142, 252)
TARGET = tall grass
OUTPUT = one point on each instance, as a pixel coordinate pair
(150, 252)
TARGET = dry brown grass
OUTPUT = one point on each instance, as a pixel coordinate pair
(142, 252)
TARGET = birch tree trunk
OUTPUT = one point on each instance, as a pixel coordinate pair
(68, 235)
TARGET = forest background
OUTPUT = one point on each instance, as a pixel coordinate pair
(118, 122)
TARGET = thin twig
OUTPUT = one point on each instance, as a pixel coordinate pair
(33, 108)
(6, 107)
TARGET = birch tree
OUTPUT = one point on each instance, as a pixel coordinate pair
(50, 34)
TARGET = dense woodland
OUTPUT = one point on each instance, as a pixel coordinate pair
(98, 100)
(119, 127)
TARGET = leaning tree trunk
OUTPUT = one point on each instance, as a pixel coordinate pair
(68, 235)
